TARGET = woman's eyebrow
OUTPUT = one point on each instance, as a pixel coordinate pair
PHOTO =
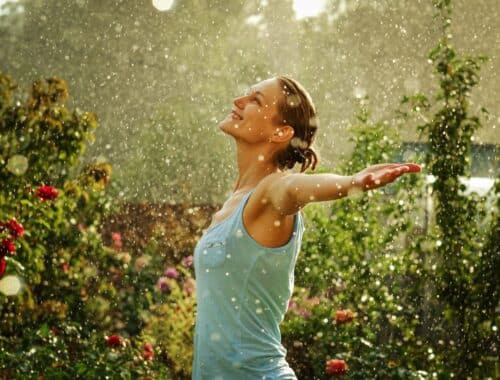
(259, 93)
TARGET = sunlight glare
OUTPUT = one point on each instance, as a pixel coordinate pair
(163, 5)
(308, 8)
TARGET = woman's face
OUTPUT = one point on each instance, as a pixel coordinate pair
(254, 115)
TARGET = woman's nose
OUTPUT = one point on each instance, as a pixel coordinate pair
(240, 101)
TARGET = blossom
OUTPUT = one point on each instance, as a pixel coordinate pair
(336, 367)
(117, 240)
(343, 316)
(163, 284)
(65, 267)
(148, 347)
(147, 355)
(114, 341)
(3, 264)
(391, 363)
(55, 330)
(142, 262)
(125, 257)
(7, 247)
(187, 261)
(304, 312)
(171, 272)
(189, 286)
(16, 229)
(46, 193)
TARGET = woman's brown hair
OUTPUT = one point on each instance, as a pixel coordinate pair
(297, 109)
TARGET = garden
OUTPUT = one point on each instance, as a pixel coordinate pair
(386, 287)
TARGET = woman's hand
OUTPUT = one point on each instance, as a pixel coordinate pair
(380, 175)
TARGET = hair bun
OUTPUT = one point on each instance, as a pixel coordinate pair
(299, 155)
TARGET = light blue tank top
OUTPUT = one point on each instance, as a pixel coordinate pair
(242, 294)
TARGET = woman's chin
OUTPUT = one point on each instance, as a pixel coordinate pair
(229, 124)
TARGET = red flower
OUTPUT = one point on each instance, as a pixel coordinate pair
(336, 367)
(148, 347)
(117, 240)
(3, 264)
(343, 316)
(65, 267)
(114, 341)
(7, 246)
(148, 355)
(46, 193)
(16, 229)
(55, 330)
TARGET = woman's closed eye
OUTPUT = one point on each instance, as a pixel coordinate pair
(257, 100)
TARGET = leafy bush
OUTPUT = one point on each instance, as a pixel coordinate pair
(62, 292)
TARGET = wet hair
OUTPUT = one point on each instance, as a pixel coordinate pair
(297, 110)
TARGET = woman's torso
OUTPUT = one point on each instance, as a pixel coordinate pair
(243, 289)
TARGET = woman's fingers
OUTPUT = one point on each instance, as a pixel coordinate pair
(413, 168)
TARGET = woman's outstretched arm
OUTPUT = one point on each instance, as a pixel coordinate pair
(298, 189)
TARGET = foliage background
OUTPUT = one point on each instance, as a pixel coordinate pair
(160, 81)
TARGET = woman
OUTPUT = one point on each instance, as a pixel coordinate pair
(244, 262)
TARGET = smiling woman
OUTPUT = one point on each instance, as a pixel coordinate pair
(244, 262)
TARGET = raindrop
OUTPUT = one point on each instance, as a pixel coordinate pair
(17, 164)
(215, 337)
(359, 92)
(10, 285)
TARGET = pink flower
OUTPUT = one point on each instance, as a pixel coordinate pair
(16, 229)
(7, 247)
(314, 300)
(117, 240)
(163, 284)
(292, 304)
(46, 193)
(304, 312)
(65, 267)
(187, 261)
(171, 272)
(114, 341)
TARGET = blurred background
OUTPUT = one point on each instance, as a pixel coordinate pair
(161, 74)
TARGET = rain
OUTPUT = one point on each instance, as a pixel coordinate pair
(125, 129)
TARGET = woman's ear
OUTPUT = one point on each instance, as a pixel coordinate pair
(284, 133)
